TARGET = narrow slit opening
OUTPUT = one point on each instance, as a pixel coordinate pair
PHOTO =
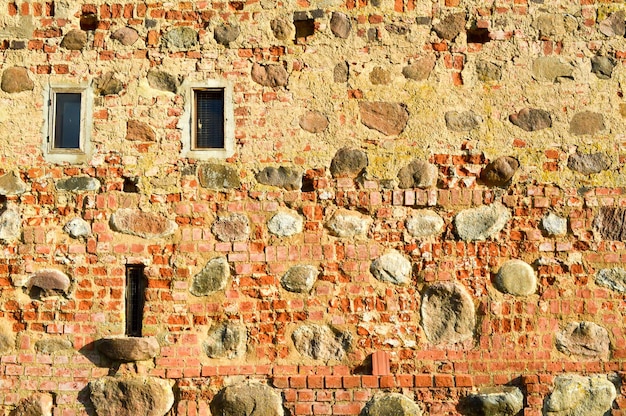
(135, 299)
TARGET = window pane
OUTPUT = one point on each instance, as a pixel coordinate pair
(209, 119)
(67, 121)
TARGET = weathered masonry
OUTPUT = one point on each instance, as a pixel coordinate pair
(312, 207)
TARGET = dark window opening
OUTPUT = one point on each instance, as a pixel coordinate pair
(135, 299)
(304, 28)
(478, 35)
(67, 120)
(88, 21)
(209, 119)
(130, 185)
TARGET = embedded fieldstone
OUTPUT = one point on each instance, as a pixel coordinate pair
(340, 25)
(552, 26)
(49, 280)
(613, 25)
(162, 81)
(392, 267)
(488, 71)
(213, 277)
(269, 75)
(494, 401)
(74, 40)
(346, 223)
(500, 172)
(418, 174)
(575, 395)
(420, 69)
(450, 26)
(388, 118)
(77, 228)
(16, 79)
(424, 223)
(7, 338)
(50, 346)
(588, 163)
(225, 34)
(125, 35)
(300, 278)
(10, 225)
(129, 349)
(531, 119)
(285, 224)
(386, 404)
(313, 122)
(218, 176)
(38, 404)
(146, 396)
(341, 72)
(586, 122)
(550, 69)
(321, 342)
(380, 76)
(610, 223)
(554, 225)
(107, 84)
(139, 131)
(11, 184)
(283, 29)
(182, 37)
(233, 227)
(78, 184)
(142, 224)
(614, 279)
(348, 163)
(584, 339)
(226, 340)
(248, 398)
(603, 66)
(481, 223)
(448, 315)
(465, 121)
(283, 177)
(517, 278)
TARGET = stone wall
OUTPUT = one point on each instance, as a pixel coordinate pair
(424, 211)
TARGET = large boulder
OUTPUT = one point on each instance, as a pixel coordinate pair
(212, 277)
(424, 223)
(586, 122)
(589, 163)
(584, 339)
(494, 401)
(269, 75)
(226, 340)
(481, 223)
(348, 162)
(16, 79)
(142, 224)
(300, 278)
(285, 224)
(448, 315)
(418, 174)
(145, 396)
(345, 223)
(531, 119)
(128, 349)
(49, 280)
(575, 395)
(282, 177)
(516, 278)
(248, 398)
(321, 342)
(391, 404)
(218, 176)
(500, 172)
(392, 267)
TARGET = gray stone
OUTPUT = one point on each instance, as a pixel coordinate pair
(500, 172)
(555, 26)
(418, 174)
(614, 279)
(345, 223)
(107, 84)
(139, 131)
(575, 395)
(380, 76)
(424, 223)
(341, 72)
(348, 163)
(603, 66)
(226, 34)
(488, 71)
(321, 342)
(517, 278)
(550, 69)
(283, 29)
(182, 37)
(300, 278)
(77, 228)
(16, 79)
(613, 25)
(586, 122)
(531, 119)
(450, 26)
(269, 75)
(50, 346)
(465, 121)
(481, 223)
(610, 223)
(584, 339)
(125, 35)
(285, 224)
(233, 227)
(340, 25)
(388, 118)
(420, 69)
(142, 224)
(218, 176)
(554, 225)
(11, 184)
(494, 401)
(283, 177)
(392, 267)
(226, 340)
(39, 404)
(129, 349)
(247, 398)
(448, 315)
(49, 280)
(74, 40)
(588, 163)
(162, 81)
(10, 225)
(78, 184)
(313, 122)
(146, 396)
(388, 404)
(212, 277)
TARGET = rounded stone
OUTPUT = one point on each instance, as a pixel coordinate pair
(146, 396)
(300, 278)
(448, 315)
(77, 228)
(125, 35)
(226, 34)
(49, 280)
(517, 278)
(313, 122)
(212, 278)
(162, 81)
(420, 69)
(340, 25)
(554, 225)
(321, 342)
(226, 340)
(387, 404)
(464, 121)
(500, 172)
(450, 26)
(613, 25)
(285, 224)
(74, 40)
(611, 223)
(589, 163)
(282, 177)
(493, 401)
(16, 79)
(575, 395)
(341, 72)
(142, 224)
(418, 174)
(233, 227)
(586, 122)
(380, 76)
(345, 223)
(424, 223)
(584, 339)
(129, 349)
(348, 163)
(269, 75)
(182, 37)
(392, 267)
(481, 223)
(283, 29)
(247, 398)
(531, 119)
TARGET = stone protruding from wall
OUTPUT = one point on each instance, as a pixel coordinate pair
(247, 398)
(226, 340)
(74, 40)
(78, 184)
(340, 25)
(517, 278)
(300, 278)
(313, 122)
(380, 76)
(462, 121)
(16, 79)
(603, 66)
(392, 267)
(134, 396)
(282, 177)
(341, 72)
(348, 163)
(610, 223)
(584, 339)
(129, 349)
(10, 224)
(613, 26)
(588, 163)
(127, 36)
(418, 174)
(494, 401)
(107, 84)
(586, 122)
(162, 81)
(488, 71)
(500, 172)
(39, 404)
(575, 395)
(142, 224)
(218, 176)
(77, 228)
(231, 227)
(614, 279)
(11, 184)
(555, 25)
(396, 404)
(450, 26)
(283, 29)
(531, 119)
(420, 69)
(180, 38)
(550, 69)
(448, 315)
(139, 131)
(424, 223)
(345, 224)
(269, 75)
(50, 281)
(387, 118)
(321, 342)
(285, 224)
(50, 346)
(554, 225)
(212, 278)
(477, 224)
(226, 34)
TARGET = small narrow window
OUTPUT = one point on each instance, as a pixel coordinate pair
(208, 119)
(135, 299)
(67, 115)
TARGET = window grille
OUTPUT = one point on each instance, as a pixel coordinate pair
(209, 118)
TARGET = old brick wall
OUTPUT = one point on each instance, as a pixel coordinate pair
(503, 119)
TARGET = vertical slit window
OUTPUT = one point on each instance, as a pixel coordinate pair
(67, 112)
(135, 299)
(209, 119)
